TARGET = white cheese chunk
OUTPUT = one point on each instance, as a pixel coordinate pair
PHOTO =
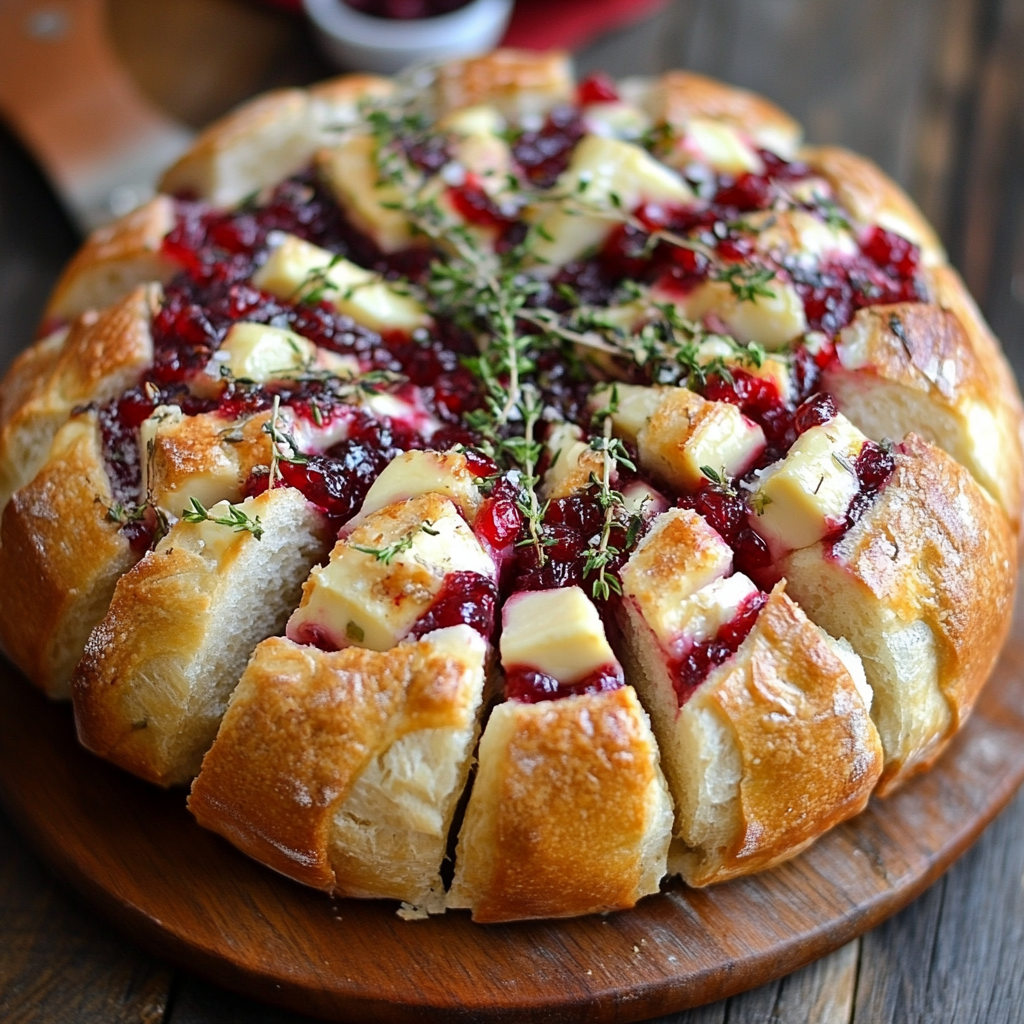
(572, 462)
(680, 555)
(616, 120)
(350, 169)
(635, 406)
(685, 435)
(641, 497)
(773, 320)
(701, 616)
(383, 576)
(606, 176)
(297, 269)
(718, 145)
(424, 472)
(557, 632)
(804, 497)
(261, 353)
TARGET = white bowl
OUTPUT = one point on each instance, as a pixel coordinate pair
(358, 42)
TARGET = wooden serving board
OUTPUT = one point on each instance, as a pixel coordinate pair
(140, 859)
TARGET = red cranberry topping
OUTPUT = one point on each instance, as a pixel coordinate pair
(465, 598)
(745, 193)
(478, 464)
(818, 409)
(313, 635)
(726, 512)
(528, 686)
(874, 465)
(703, 658)
(475, 206)
(545, 153)
(597, 88)
(894, 254)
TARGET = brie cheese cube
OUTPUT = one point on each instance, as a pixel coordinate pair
(478, 145)
(680, 555)
(616, 120)
(608, 176)
(700, 617)
(641, 497)
(424, 472)
(718, 145)
(383, 576)
(800, 232)
(572, 462)
(771, 320)
(805, 497)
(206, 457)
(557, 632)
(636, 405)
(297, 268)
(260, 353)
(686, 432)
(350, 169)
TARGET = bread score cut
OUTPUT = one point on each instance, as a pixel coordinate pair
(158, 670)
(342, 770)
(762, 719)
(922, 587)
(61, 554)
(97, 358)
(569, 812)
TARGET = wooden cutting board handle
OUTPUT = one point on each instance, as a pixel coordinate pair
(65, 93)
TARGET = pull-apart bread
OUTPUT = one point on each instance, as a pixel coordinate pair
(495, 492)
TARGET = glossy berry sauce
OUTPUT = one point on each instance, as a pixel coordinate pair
(543, 153)
(875, 466)
(466, 598)
(528, 686)
(703, 658)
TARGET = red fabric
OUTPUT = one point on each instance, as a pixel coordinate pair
(555, 24)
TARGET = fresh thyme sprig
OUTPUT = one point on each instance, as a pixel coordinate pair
(236, 518)
(390, 552)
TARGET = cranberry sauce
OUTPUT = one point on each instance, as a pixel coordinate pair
(465, 598)
(543, 153)
(528, 686)
(874, 465)
(691, 670)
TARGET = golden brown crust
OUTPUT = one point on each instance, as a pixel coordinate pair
(514, 81)
(872, 197)
(340, 97)
(564, 802)
(156, 673)
(680, 96)
(115, 259)
(302, 726)
(809, 753)
(102, 355)
(967, 404)
(58, 542)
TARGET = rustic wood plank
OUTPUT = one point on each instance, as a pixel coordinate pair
(957, 955)
(198, 1002)
(57, 962)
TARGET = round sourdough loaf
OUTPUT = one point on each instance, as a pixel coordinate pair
(585, 482)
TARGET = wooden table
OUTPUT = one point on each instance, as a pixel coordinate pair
(931, 89)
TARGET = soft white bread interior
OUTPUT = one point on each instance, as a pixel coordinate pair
(115, 260)
(922, 588)
(267, 139)
(774, 748)
(342, 770)
(60, 557)
(158, 670)
(912, 367)
(569, 812)
(100, 356)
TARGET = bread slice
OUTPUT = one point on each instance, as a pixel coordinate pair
(774, 747)
(922, 587)
(158, 670)
(912, 366)
(60, 557)
(114, 261)
(267, 139)
(102, 355)
(342, 770)
(569, 812)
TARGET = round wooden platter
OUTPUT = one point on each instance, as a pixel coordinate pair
(141, 860)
